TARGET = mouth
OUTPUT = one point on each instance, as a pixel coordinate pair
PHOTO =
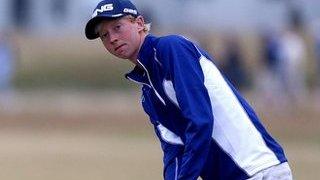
(118, 47)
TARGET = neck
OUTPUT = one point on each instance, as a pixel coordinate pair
(135, 57)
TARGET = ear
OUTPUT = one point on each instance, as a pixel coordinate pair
(140, 23)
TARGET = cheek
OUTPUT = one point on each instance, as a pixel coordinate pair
(135, 39)
(108, 47)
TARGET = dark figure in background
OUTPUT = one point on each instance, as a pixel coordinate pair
(268, 79)
(20, 10)
(59, 9)
(233, 64)
(6, 62)
(293, 58)
(317, 50)
(271, 53)
(8, 57)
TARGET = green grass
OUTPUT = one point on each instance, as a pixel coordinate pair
(96, 74)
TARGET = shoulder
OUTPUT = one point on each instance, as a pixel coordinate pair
(174, 43)
(171, 40)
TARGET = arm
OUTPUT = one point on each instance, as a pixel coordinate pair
(185, 71)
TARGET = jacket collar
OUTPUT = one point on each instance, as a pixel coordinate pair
(145, 58)
(146, 52)
(137, 75)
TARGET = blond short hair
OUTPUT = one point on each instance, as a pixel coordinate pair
(146, 28)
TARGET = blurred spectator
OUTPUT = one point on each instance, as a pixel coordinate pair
(7, 67)
(317, 50)
(20, 10)
(6, 62)
(292, 54)
(316, 35)
(268, 79)
(59, 10)
(271, 52)
(233, 63)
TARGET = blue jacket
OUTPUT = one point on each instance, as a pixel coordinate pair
(198, 115)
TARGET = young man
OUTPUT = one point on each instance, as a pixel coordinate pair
(205, 127)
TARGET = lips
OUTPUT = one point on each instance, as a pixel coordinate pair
(118, 47)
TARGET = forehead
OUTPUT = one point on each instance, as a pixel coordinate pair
(110, 22)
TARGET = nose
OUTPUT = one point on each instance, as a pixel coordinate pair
(113, 38)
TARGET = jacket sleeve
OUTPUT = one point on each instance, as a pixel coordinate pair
(183, 66)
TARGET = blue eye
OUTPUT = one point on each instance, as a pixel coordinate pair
(117, 27)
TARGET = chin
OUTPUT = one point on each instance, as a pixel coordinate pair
(122, 56)
(119, 55)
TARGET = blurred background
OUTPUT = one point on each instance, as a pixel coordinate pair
(66, 112)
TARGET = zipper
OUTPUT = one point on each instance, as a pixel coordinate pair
(157, 94)
(177, 168)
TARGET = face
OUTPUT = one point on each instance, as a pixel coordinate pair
(123, 37)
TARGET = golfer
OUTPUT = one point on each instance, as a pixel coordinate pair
(206, 128)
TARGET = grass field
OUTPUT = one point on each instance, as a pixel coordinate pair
(99, 136)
